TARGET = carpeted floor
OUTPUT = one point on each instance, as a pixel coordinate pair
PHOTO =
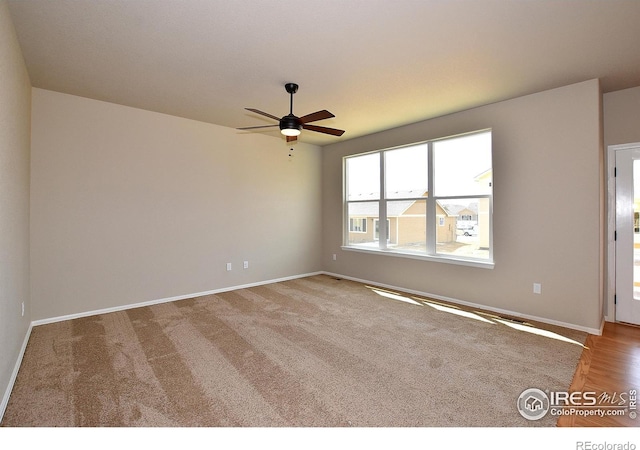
(312, 352)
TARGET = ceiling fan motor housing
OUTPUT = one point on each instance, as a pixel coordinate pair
(290, 122)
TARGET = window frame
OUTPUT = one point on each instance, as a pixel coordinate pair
(431, 253)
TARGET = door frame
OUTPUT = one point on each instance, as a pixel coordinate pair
(610, 307)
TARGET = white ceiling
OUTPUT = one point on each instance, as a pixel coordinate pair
(375, 64)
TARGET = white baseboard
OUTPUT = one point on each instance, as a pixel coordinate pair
(14, 374)
(596, 331)
(166, 300)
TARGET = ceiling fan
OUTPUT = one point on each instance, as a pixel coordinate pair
(291, 125)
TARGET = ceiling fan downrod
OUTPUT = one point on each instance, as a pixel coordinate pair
(291, 88)
(290, 125)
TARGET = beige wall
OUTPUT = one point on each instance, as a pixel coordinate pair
(15, 111)
(621, 116)
(547, 156)
(131, 206)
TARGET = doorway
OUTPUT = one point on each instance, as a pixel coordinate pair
(626, 232)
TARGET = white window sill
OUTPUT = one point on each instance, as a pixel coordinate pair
(431, 258)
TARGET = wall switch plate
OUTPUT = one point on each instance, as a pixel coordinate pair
(335, 257)
(537, 288)
(228, 266)
(245, 264)
(22, 309)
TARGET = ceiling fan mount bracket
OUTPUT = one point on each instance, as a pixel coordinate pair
(291, 88)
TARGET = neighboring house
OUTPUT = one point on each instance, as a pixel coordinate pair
(467, 215)
(406, 223)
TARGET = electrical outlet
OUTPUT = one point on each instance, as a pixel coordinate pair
(245, 264)
(22, 309)
(335, 256)
(537, 288)
(228, 266)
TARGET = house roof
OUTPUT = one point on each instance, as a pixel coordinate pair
(375, 64)
(397, 208)
(370, 209)
(455, 210)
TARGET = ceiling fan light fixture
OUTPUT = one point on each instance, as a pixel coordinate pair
(290, 132)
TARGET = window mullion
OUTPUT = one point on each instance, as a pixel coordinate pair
(382, 208)
(431, 204)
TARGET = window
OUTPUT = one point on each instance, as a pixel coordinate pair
(358, 225)
(431, 199)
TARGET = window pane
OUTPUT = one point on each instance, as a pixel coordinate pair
(407, 221)
(406, 172)
(463, 165)
(462, 227)
(361, 223)
(363, 177)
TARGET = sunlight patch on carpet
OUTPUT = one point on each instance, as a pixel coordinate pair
(456, 311)
(451, 309)
(393, 295)
(533, 330)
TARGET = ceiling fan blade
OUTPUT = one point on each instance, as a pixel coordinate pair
(257, 111)
(260, 126)
(325, 130)
(292, 138)
(318, 115)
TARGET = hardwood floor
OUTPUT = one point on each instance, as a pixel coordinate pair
(610, 364)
